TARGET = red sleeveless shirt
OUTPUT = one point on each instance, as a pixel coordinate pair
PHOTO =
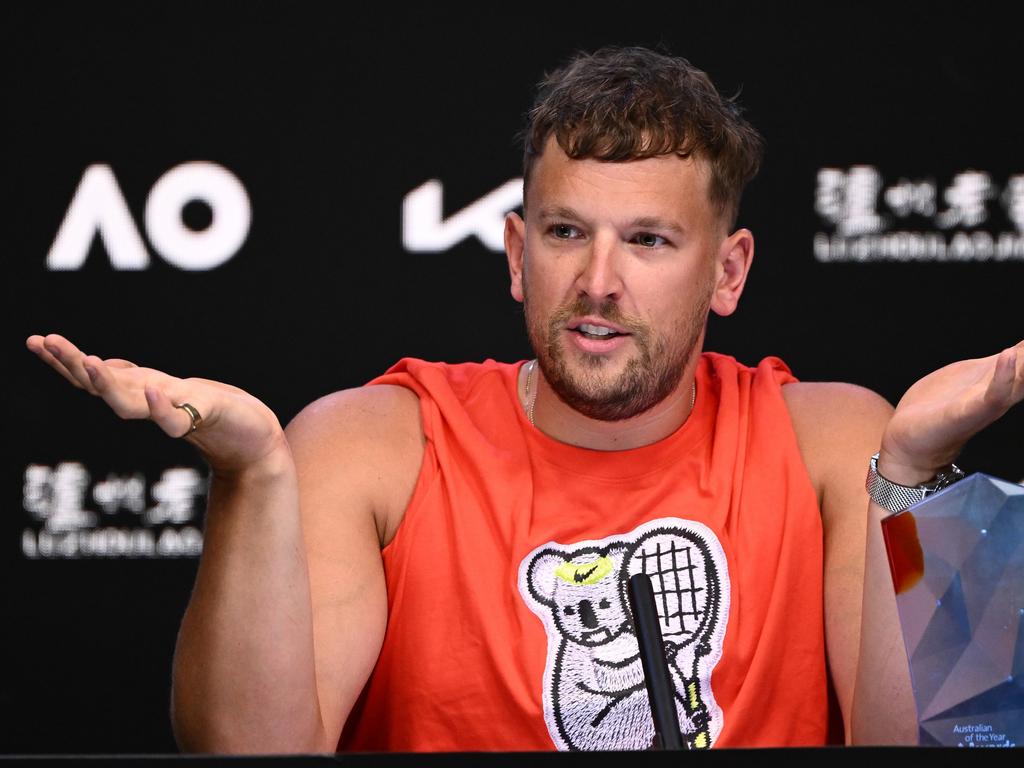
(507, 621)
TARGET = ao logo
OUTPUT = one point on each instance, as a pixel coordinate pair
(99, 207)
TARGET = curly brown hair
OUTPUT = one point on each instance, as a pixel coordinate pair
(620, 104)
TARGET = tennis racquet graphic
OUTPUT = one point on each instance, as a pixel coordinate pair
(687, 595)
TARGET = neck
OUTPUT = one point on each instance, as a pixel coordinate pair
(559, 421)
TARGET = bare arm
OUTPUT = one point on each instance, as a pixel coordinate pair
(350, 510)
(288, 610)
(243, 665)
(840, 427)
(933, 421)
(290, 607)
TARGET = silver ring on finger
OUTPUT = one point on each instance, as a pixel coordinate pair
(193, 414)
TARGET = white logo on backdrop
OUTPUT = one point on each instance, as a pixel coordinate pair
(426, 230)
(122, 524)
(99, 208)
(909, 220)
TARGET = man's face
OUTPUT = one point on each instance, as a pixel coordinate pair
(617, 276)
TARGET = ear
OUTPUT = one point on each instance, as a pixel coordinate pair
(735, 255)
(515, 249)
(541, 575)
(616, 552)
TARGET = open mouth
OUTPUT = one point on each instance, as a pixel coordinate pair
(597, 636)
(597, 332)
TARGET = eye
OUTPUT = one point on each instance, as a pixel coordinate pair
(604, 603)
(564, 231)
(649, 240)
(569, 610)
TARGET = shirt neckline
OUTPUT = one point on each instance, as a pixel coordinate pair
(628, 463)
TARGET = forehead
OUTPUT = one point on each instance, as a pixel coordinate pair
(664, 187)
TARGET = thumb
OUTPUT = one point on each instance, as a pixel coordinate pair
(174, 421)
(1000, 393)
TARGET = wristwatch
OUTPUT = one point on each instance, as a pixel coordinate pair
(895, 497)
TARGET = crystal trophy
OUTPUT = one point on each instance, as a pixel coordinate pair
(957, 562)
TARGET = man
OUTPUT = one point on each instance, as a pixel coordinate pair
(436, 561)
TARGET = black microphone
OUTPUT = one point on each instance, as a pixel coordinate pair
(660, 690)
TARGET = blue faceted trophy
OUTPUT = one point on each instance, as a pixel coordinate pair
(957, 562)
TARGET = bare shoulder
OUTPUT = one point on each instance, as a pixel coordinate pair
(377, 411)
(364, 445)
(837, 426)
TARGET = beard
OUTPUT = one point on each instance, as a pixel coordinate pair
(649, 376)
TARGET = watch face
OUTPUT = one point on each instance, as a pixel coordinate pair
(949, 478)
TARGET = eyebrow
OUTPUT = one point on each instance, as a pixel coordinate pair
(642, 222)
(653, 222)
(559, 212)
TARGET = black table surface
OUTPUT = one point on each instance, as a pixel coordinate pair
(827, 757)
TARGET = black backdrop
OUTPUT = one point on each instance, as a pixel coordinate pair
(329, 118)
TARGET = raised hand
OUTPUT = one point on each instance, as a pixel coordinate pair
(942, 411)
(236, 433)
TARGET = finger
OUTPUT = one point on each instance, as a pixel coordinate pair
(123, 389)
(117, 362)
(36, 345)
(71, 356)
(125, 397)
(174, 421)
(100, 377)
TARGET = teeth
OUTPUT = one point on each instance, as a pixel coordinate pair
(595, 330)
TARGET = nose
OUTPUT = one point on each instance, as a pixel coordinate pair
(599, 276)
(587, 615)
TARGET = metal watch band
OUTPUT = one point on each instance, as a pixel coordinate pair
(895, 497)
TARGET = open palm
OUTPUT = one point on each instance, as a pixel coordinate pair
(236, 432)
(942, 411)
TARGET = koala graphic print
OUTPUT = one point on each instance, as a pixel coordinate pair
(594, 694)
